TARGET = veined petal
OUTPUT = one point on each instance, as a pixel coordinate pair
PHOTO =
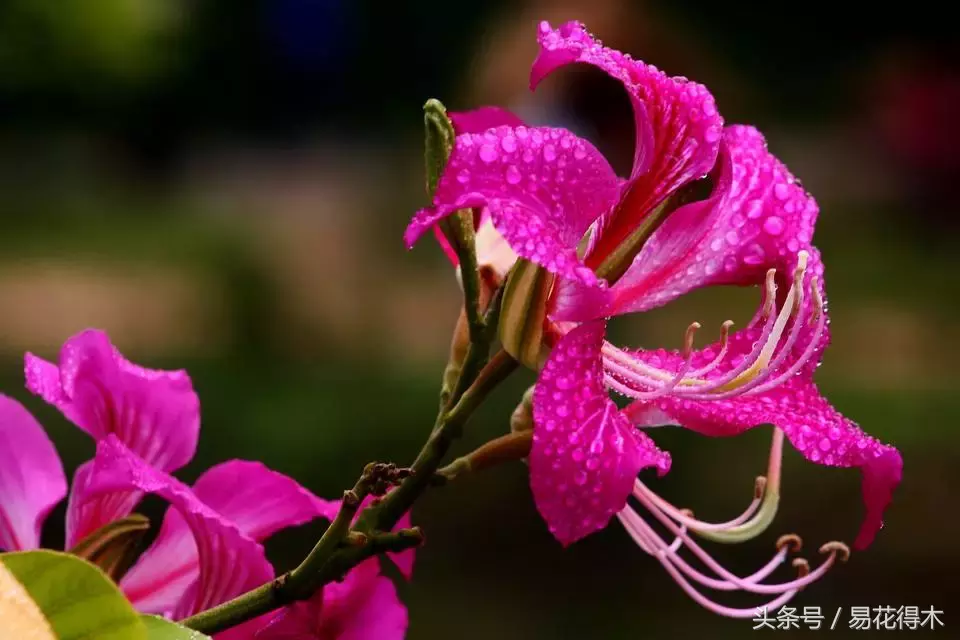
(586, 454)
(230, 562)
(814, 427)
(759, 217)
(543, 189)
(88, 512)
(257, 500)
(32, 481)
(364, 606)
(483, 118)
(156, 414)
(678, 128)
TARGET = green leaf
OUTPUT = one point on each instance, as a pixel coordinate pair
(78, 600)
(160, 629)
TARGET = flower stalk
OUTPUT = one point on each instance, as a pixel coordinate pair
(358, 533)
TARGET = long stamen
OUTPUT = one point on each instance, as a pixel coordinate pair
(812, 344)
(724, 343)
(685, 517)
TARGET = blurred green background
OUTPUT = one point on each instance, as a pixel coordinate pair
(223, 187)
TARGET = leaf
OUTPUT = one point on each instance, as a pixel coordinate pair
(78, 600)
(160, 629)
(115, 546)
(20, 617)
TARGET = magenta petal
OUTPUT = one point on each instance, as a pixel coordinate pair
(231, 562)
(364, 606)
(543, 188)
(156, 414)
(814, 427)
(32, 481)
(677, 125)
(257, 500)
(483, 118)
(88, 512)
(586, 454)
(759, 217)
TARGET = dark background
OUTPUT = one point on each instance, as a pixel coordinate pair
(223, 186)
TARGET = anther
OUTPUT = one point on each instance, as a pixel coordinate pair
(759, 487)
(802, 567)
(817, 300)
(793, 540)
(688, 338)
(841, 550)
(770, 298)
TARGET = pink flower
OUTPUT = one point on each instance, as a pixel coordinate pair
(146, 424)
(557, 203)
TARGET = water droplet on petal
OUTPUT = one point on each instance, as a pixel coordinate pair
(773, 225)
(781, 191)
(513, 175)
(509, 144)
(487, 153)
(549, 152)
(463, 177)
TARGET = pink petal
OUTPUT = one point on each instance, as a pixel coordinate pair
(814, 427)
(32, 481)
(231, 562)
(364, 606)
(257, 500)
(759, 217)
(154, 413)
(86, 513)
(483, 118)
(404, 559)
(677, 125)
(586, 454)
(542, 187)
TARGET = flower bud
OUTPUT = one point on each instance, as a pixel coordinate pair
(523, 312)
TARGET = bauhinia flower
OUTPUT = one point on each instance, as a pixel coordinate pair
(146, 423)
(611, 247)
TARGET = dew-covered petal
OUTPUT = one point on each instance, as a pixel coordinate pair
(678, 128)
(542, 187)
(813, 426)
(758, 217)
(156, 414)
(230, 562)
(586, 454)
(32, 481)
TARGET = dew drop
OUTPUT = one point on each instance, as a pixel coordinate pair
(773, 225)
(781, 191)
(513, 174)
(549, 152)
(509, 144)
(463, 177)
(487, 153)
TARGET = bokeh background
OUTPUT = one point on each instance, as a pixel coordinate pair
(223, 187)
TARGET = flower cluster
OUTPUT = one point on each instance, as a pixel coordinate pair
(208, 550)
(547, 200)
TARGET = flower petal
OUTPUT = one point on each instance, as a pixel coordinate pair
(32, 481)
(483, 118)
(586, 454)
(86, 513)
(231, 562)
(678, 127)
(257, 500)
(759, 217)
(364, 606)
(814, 427)
(156, 414)
(543, 188)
